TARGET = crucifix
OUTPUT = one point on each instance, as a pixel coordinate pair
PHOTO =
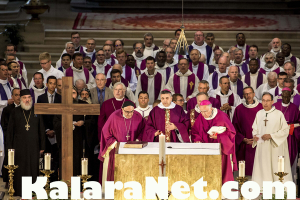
(27, 127)
(127, 136)
(67, 109)
(162, 165)
(266, 121)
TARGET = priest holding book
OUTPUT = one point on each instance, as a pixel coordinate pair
(123, 125)
(214, 126)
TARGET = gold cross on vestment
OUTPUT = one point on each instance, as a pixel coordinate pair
(27, 126)
(127, 136)
(162, 164)
(191, 85)
(265, 122)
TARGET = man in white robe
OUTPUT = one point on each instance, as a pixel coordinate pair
(229, 100)
(17, 78)
(70, 49)
(108, 55)
(90, 49)
(217, 55)
(272, 83)
(198, 68)
(138, 54)
(214, 78)
(278, 89)
(270, 64)
(241, 44)
(47, 69)
(238, 60)
(75, 39)
(184, 81)
(150, 48)
(150, 81)
(236, 85)
(77, 71)
(270, 132)
(172, 63)
(286, 50)
(289, 68)
(143, 104)
(38, 88)
(276, 48)
(130, 76)
(210, 41)
(201, 46)
(162, 67)
(101, 65)
(5, 89)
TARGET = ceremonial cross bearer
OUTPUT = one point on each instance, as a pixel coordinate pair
(225, 134)
(291, 114)
(169, 119)
(270, 132)
(124, 125)
(183, 81)
(25, 134)
(242, 121)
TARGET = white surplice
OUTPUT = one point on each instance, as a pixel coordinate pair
(267, 152)
(163, 72)
(253, 80)
(79, 74)
(144, 111)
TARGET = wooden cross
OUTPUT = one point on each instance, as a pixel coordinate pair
(162, 164)
(266, 121)
(67, 109)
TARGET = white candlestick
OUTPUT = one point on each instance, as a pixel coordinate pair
(242, 168)
(162, 155)
(11, 156)
(84, 166)
(47, 159)
(280, 163)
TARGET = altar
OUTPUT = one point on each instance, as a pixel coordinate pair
(186, 162)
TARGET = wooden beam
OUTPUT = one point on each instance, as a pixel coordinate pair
(59, 109)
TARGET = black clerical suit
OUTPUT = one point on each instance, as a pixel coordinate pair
(48, 123)
(4, 123)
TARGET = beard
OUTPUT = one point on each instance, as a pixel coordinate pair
(26, 107)
(270, 65)
(276, 49)
(139, 54)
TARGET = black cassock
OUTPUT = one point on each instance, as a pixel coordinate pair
(27, 144)
(81, 139)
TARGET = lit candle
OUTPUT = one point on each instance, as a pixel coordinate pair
(162, 155)
(47, 159)
(280, 163)
(242, 168)
(11, 156)
(84, 166)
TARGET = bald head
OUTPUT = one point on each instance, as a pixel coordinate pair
(233, 73)
(118, 67)
(223, 63)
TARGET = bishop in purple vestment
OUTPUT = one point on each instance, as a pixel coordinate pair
(242, 121)
(213, 117)
(169, 119)
(291, 114)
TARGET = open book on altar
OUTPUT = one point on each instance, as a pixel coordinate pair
(174, 149)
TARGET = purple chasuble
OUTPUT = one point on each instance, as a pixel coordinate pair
(227, 140)
(112, 57)
(211, 69)
(21, 65)
(246, 52)
(157, 83)
(230, 101)
(69, 72)
(277, 71)
(137, 71)
(258, 82)
(11, 82)
(296, 100)
(200, 70)
(190, 84)
(156, 121)
(2, 91)
(240, 88)
(143, 64)
(175, 68)
(291, 115)
(208, 52)
(193, 102)
(242, 121)
(294, 60)
(61, 69)
(127, 73)
(115, 129)
(215, 80)
(245, 68)
(276, 91)
(94, 72)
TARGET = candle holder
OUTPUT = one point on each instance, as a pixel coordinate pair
(241, 181)
(281, 175)
(47, 174)
(84, 180)
(11, 171)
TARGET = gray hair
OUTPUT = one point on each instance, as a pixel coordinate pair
(78, 81)
(232, 66)
(231, 48)
(291, 63)
(147, 35)
(66, 45)
(202, 93)
(173, 39)
(272, 75)
(237, 50)
(267, 93)
(102, 74)
(119, 83)
(269, 54)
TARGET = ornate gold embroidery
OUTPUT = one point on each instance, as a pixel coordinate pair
(192, 117)
(191, 85)
(167, 121)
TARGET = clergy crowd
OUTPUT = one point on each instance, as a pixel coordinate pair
(246, 102)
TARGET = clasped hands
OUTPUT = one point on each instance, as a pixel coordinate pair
(169, 127)
(225, 106)
(79, 123)
(264, 137)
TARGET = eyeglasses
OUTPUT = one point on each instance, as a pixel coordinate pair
(87, 62)
(118, 45)
(266, 101)
(128, 112)
(181, 100)
(137, 48)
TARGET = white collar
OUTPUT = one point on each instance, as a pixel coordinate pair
(38, 90)
(271, 110)
(171, 106)
(195, 45)
(77, 70)
(188, 73)
(48, 94)
(233, 63)
(3, 82)
(215, 112)
(150, 48)
(100, 65)
(119, 99)
(286, 105)
(172, 64)
(289, 57)
(251, 105)
(275, 66)
(164, 67)
(17, 105)
(89, 52)
(139, 59)
(225, 95)
(241, 47)
(197, 109)
(144, 109)
(150, 76)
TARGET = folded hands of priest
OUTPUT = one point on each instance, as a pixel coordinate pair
(266, 137)
(171, 127)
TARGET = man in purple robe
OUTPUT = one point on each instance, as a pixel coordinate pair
(65, 62)
(238, 61)
(241, 44)
(123, 125)
(291, 114)
(295, 97)
(214, 78)
(12, 49)
(242, 121)
(212, 117)
(203, 86)
(169, 119)
(253, 54)
(280, 59)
